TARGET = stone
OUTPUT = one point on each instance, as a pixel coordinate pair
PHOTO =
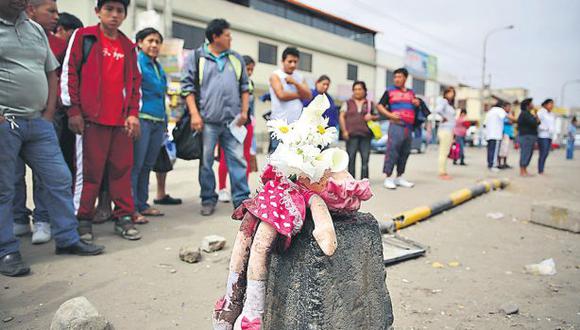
(308, 290)
(558, 214)
(213, 243)
(190, 254)
(7, 319)
(509, 308)
(78, 314)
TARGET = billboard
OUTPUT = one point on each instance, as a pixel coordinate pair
(420, 64)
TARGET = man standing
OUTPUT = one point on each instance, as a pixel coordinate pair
(45, 13)
(25, 130)
(100, 85)
(287, 90)
(494, 133)
(546, 131)
(398, 104)
(215, 85)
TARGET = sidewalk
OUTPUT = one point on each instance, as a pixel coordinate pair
(144, 285)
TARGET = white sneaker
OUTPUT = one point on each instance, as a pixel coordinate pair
(21, 229)
(224, 196)
(494, 169)
(404, 183)
(389, 184)
(40, 233)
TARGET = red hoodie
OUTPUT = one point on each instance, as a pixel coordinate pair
(82, 84)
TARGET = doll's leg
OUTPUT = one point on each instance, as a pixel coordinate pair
(229, 307)
(323, 227)
(257, 276)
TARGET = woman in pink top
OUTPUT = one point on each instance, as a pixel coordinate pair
(460, 131)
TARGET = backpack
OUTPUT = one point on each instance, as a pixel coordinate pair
(200, 64)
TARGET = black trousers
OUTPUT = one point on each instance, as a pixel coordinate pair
(362, 145)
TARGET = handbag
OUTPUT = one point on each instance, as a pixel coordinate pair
(373, 125)
(454, 151)
(188, 143)
(163, 163)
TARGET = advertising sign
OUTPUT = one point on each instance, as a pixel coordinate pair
(420, 64)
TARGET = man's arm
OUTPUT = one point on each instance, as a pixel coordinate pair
(303, 91)
(50, 110)
(382, 108)
(281, 94)
(245, 108)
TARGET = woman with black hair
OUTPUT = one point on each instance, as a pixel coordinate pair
(153, 120)
(528, 134)
(354, 115)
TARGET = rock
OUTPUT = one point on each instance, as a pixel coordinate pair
(509, 308)
(308, 290)
(213, 243)
(190, 254)
(78, 314)
(557, 214)
(7, 319)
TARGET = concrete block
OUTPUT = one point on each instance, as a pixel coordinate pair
(563, 215)
(308, 290)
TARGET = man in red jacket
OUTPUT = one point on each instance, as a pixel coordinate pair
(101, 89)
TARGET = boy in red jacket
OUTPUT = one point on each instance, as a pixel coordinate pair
(100, 84)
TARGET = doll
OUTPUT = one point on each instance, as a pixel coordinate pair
(298, 175)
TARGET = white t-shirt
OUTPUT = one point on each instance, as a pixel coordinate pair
(447, 112)
(494, 123)
(289, 110)
(547, 126)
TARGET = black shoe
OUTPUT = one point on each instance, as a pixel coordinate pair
(207, 209)
(507, 166)
(454, 162)
(167, 200)
(12, 265)
(81, 248)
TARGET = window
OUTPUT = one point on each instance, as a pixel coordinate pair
(390, 77)
(352, 72)
(193, 36)
(419, 86)
(305, 62)
(301, 15)
(267, 53)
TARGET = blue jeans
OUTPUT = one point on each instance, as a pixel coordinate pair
(570, 149)
(234, 153)
(544, 145)
(21, 212)
(145, 152)
(461, 141)
(35, 141)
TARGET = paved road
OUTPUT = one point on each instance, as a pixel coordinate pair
(144, 285)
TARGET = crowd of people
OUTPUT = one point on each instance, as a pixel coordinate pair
(95, 126)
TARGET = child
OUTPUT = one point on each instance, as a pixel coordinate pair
(101, 88)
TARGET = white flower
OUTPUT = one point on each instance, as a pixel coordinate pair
(336, 158)
(280, 129)
(317, 107)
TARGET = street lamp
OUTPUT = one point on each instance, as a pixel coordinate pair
(564, 89)
(482, 98)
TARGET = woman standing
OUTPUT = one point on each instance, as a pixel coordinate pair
(321, 87)
(546, 131)
(152, 118)
(447, 112)
(528, 134)
(354, 115)
(460, 132)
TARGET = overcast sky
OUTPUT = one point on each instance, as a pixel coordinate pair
(540, 54)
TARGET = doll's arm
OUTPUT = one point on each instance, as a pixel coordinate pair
(323, 227)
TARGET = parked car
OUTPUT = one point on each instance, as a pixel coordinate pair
(419, 143)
